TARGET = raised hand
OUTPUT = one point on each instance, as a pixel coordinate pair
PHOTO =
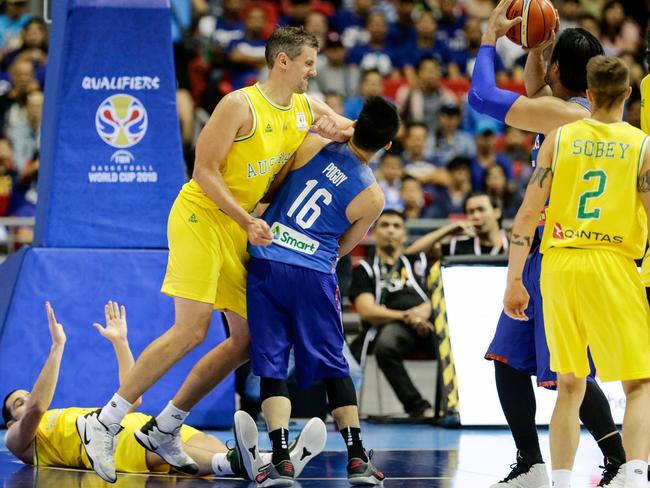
(56, 329)
(116, 329)
(499, 23)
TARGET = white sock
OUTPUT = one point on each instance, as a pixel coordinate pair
(221, 465)
(170, 418)
(561, 478)
(636, 473)
(114, 411)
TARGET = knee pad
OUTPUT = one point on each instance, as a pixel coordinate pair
(271, 387)
(340, 392)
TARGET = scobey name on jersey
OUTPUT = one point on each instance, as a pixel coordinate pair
(291, 239)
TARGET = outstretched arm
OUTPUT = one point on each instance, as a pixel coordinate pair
(21, 434)
(540, 114)
(516, 297)
(116, 332)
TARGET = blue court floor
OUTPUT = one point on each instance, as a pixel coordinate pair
(411, 456)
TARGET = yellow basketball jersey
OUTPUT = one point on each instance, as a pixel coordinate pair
(255, 158)
(57, 442)
(594, 202)
(645, 104)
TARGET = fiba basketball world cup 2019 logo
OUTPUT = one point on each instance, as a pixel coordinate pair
(121, 121)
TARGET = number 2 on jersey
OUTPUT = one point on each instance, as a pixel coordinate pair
(582, 204)
(310, 210)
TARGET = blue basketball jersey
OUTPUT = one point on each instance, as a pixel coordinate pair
(307, 216)
(539, 139)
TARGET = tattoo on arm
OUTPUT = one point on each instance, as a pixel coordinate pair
(644, 182)
(539, 176)
(518, 240)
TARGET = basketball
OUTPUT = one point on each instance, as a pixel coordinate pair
(537, 25)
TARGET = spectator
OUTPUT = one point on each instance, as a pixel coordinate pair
(7, 177)
(466, 58)
(351, 24)
(481, 234)
(450, 199)
(451, 30)
(371, 85)
(296, 14)
(389, 178)
(402, 32)
(23, 129)
(496, 185)
(335, 101)
(618, 33)
(12, 23)
(23, 82)
(332, 74)
(517, 146)
(449, 141)
(423, 101)
(481, 9)
(590, 23)
(416, 162)
(570, 12)
(219, 31)
(415, 203)
(487, 156)
(316, 23)
(375, 54)
(246, 55)
(390, 293)
(426, 46)
(33, 47)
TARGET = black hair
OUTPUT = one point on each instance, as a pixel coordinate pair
(389, 212)
(406, 178)
(416, 123)
(572, 51)
(377, 124)
(390, 154)
(6, 414)
(493, 200)
(288, 40)
(427, 59)
(367, 72)
(459, 162)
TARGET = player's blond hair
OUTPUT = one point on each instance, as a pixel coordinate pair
(608, 79)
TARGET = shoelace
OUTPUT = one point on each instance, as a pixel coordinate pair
(609, 473)
(517, 470)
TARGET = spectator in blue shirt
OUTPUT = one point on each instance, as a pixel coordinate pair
(247, 55)
(371, 85)
(451, 30)
(487, 155)
(351, 24)
(448, 140)
(12, 23)
(402, 32)
(426, 45)
(375, 55)
(389, 178)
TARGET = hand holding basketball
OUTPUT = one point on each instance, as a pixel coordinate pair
(499, 23)
(539, 22)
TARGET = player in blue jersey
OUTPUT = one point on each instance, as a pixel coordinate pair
(556, 81)
(324, 207)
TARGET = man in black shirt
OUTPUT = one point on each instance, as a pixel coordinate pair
(390, 293)
(481, 234)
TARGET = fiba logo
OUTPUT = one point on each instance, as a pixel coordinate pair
(121, 120)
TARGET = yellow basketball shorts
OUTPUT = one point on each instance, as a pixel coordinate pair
(131, 457)
(207, 257)
(595, 299)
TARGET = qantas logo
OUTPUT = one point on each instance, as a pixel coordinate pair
(590, 235)
(557, 231)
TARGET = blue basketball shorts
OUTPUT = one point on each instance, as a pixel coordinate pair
(291, 306)
(522, 345)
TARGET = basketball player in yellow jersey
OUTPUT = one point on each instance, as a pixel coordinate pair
(597, 172)
(40, 436)
(250, 136)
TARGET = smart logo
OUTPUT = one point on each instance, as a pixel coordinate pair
(121, 120)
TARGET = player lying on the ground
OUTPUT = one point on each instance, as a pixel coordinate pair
(42, 437)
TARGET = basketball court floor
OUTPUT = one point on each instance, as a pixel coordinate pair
(412, 456)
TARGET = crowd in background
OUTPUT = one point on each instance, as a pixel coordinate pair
(420, 54)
